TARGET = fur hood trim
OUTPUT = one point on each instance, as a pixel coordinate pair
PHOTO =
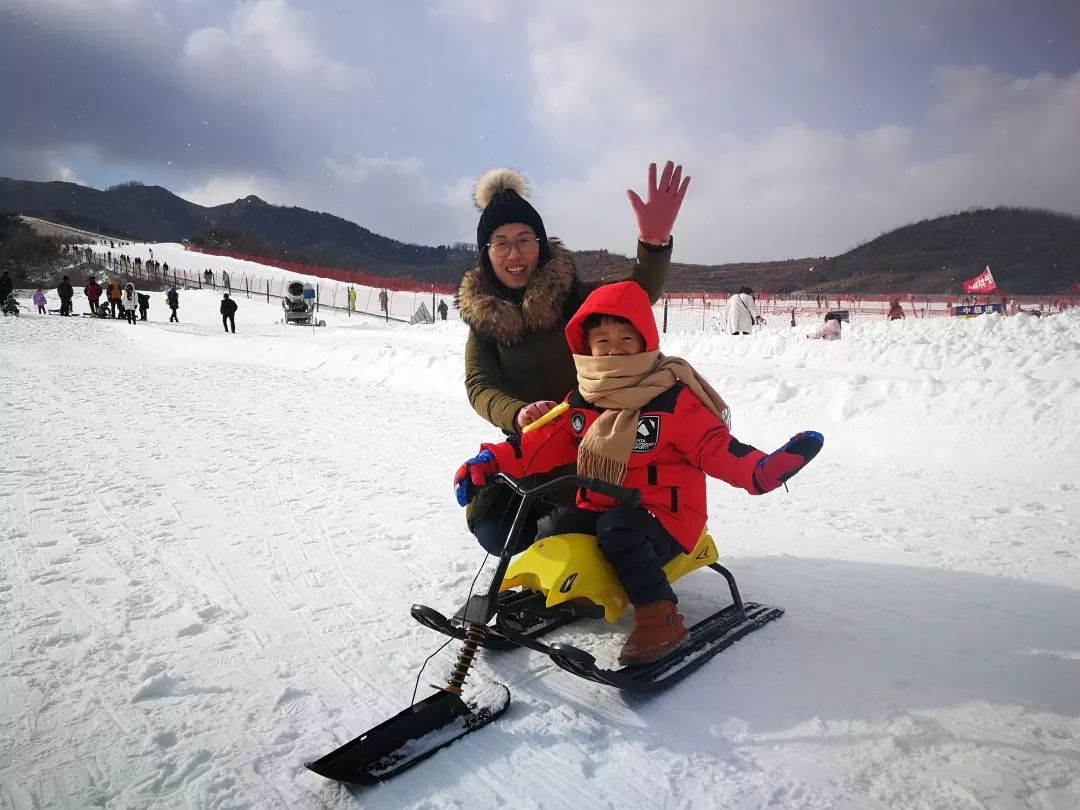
(541, 310)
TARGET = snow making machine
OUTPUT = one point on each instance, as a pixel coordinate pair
(298, 305)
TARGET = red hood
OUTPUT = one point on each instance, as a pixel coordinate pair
(626, 299)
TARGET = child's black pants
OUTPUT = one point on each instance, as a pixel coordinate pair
(635, 543)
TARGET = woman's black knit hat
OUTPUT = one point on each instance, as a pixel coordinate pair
(500, 195)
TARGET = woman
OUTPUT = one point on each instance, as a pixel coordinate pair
(129, 302)
(741, 313)
(517, 302)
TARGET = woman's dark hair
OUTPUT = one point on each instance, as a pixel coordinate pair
(597, 318)
(746, 290)
(833, 316)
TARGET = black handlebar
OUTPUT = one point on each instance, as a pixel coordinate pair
(628, 495)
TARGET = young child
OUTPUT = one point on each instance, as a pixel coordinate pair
(39, 301)
(830, 330)
(642, 420)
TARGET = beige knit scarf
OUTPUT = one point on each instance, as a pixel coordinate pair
(621, 386)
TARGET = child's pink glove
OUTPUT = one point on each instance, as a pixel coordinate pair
(531, 412)
(656, 216)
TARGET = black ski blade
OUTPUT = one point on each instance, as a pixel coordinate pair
(707, 638)
(412, 736)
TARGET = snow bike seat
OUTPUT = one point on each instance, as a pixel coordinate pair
(566, 567)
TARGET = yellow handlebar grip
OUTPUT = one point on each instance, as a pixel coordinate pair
(551, 415)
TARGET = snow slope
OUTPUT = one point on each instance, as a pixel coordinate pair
(209, 545)
(254, 276)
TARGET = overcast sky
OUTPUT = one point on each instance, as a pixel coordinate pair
(808, 126)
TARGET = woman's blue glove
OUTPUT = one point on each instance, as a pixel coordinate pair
(473, 475)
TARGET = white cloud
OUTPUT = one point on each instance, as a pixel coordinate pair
(397, 198)
(799, 191)
(228, 188)
(616, 85)
(469, 11)
(268, 39)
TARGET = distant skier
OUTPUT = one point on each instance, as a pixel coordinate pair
(65, 291)
(172, 298)
(92, 291)
(443, 309)
(228, 312)
(114, 293)
(226, 282)
(129, 302)
(896, 312)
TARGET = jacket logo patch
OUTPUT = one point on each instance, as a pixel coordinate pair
(568, 583)
(577, 422)
(648, 432)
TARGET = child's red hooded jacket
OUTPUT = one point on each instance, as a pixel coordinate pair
(679, 440)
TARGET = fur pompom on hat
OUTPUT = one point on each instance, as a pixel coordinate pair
(500, 195)
(496, 181)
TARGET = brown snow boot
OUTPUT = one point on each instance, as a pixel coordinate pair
(658, 630)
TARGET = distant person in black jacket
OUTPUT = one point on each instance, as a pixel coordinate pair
(65, 291)
(172, 298)
(6, 285)
(228, 310)
(144, 305)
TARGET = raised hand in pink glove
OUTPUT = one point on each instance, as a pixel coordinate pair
(656, 216)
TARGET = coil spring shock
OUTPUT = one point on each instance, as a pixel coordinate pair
(474, 637)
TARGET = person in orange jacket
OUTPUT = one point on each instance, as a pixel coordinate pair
(114, 292)
(641, 420)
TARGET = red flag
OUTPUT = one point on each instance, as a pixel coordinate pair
(982, 283)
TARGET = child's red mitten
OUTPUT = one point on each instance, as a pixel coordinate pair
(777, 467)
(473, 475)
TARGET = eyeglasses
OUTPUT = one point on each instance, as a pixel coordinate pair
(524, 245)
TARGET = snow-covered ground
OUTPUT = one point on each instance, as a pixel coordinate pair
(209, 545)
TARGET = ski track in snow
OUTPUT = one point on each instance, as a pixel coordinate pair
(209, 546)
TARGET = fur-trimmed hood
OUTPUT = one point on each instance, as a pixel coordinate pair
(541, 310)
